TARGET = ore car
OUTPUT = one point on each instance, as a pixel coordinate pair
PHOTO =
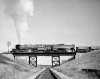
(83, 49)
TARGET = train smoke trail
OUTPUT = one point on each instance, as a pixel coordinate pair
(20, 11)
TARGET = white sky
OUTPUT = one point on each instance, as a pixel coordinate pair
(56, 21)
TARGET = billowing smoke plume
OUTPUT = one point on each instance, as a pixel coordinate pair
(19, 11)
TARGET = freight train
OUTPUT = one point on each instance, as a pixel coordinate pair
(49, 48)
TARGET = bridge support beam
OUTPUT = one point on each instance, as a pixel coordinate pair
(55, 60)
(29, 60)
(33, 60)
(14, 57)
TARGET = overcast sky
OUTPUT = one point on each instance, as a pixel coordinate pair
(56, 21)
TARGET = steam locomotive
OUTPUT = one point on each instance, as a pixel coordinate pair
(40, 48)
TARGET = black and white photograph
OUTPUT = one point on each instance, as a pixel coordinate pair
(49, 39)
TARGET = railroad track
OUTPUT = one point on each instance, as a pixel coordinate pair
(48, 74)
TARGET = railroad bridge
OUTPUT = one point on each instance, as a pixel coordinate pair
(55, 51)
(55, 57)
